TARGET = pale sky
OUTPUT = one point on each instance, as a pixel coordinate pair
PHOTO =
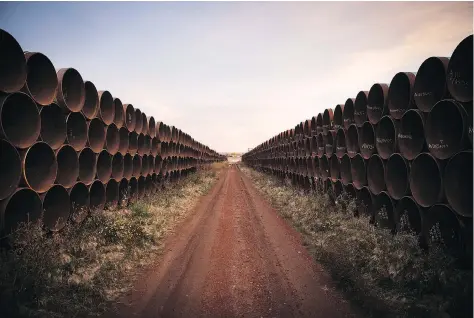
(233, 74)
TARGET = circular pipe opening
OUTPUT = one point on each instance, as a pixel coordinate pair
(53, 126)
(364, 202)
(352, 140)
(446, 129)
(408, 216)
(119, 116)
(377, 101)
(145, 165)
(71, 93)
(133, 188)
(360, 108)
(321, 145)
(104, 166)
(155, 146)
(334, 168)
(376, 174)
(118, 166)
(129, 112)
(141, 144)
(80, 202)
(87, 165)
(329, 141)
(426, 181)
(319, 123)
(430, 83)
(459, 71)
(141, 187)
(138, 121)
(106, 107)
(127, 166)
(123, 140)
(10, 169)
(151, 126)
(358, 172)
(24, 205)
(400, 94)
(144, 124)
(458, 183)
(56, 207)
(397, 176)
(20, 121)
(97, 196)
(340, 143)
(112, 139)
(124, 192)
(39, 167)
(328, 116)
(384, 211)
(324, 167)
(345, 170)
(337, 118)
(386, 137)
(366, 140)
(441, 227)
(348, 113)
(91, 102)
(12, 64)
(111, 194)
(137, 165)
(96, 135)
(132, 142)
(76, 131)
(41, 81)
(68, 166)
(411, 135)
(350, 191)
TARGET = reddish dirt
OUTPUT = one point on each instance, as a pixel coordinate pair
(235, 257)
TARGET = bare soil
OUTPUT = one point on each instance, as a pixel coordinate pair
(235, 257)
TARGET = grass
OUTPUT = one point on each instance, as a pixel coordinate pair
(84, 269)
(386, 275)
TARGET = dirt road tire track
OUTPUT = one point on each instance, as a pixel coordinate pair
(235, 257)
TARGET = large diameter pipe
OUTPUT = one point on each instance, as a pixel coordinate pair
(329, 142)
(138, 121)
(340, 143)
(430, 83)
(12, 64)
(366, 140)
(319, 123)
(324, 167)
(441, 227)
(20, 122)
(53, 126)
(377, 103)
(151, 126)
(352, 140)
(137, 165)
(458, 183)
(446, 129)
(68, 166)
(129, 112)
(426, 181)
(71, 94)
(400, 94)
(87, 166)
(91, 102)
(111, 194)
(365, 202)
(112, 139)
(386, 137)
(79, 200)
(119, 115)
(41, 81)
(360, 108)
(127, 166)
(96, 135)
(144, 124)
(10, 169)
(348, 113)
(106, 107)
(155, 146)
(397, 172)
(321, 145)
(104, 166)
(97, 196)
(117, 167)
(56, 207)
(76, 131)
(123, 141)
(334, 168)
(328, 116)
(23, 205)
(338, 119)
(459, 71)
(132, 142)
(376, 174)
(411, 134)
(358, 172)
(407, 216)
(384, 211)
(158, 164)
(345, 170)
(39, 167)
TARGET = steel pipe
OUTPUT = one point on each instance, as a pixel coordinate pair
(79, 200)
(324, 167)
(76, 131)
(20, 122)
(23, 205)
(117, 167)
(87, 165)
(144, 124)
(319, 123)
(376, 174)
(411, 134)
(377, 103)
(106, 107)
(426, 182)
(123, 141)
(71, 94)
(358, 172)
(397, 172)
(12, 63)
(41, 80)
(127, 166)
(400, 94)
(91, 101)
(111, 194)
(53, 126)
(430, 83)
(97, 196)
(151, 164)
(132, 142)
(338, 118)
(112, 139)
(441, 227)
(384, 211)
(39, 167)
(138, 121)
(334, 168)
(129, 112)
(137, 165)
(330, 142)
(407, 216)
(151, 126)
(345, 170)
(366, 140)
(386, 137)
(352, 140)
(56, 207)
(10, 169)
(96, 135)
(321, 145)
(68, 166)
(328, 116)
(340, 143)
(364, 201)
(348, 113)
(458, 183)
(104, 166)
(459, 78)
(360, 108)
(119, 115)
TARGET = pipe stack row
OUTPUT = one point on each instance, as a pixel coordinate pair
(406, 147)
(67, 149)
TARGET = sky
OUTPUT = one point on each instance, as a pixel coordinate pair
(234, 74)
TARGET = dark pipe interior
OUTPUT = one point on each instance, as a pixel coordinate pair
(144, 124)
(141, 144)
(377, 102)
(348, 113)
(458, 183)
(119, 116)
(68, 166)
(127, 166)
(12, 64)
(376, 174)
(397, 176)
(367, 140)
(56, 207)
(345, 170)
(385, 139)
(76, 128)
(132, 142)
(360, 108)
(112, 139)
(338, 120)
(383, 210)
(321, 145)
(411, 135)
(327, 119)
(41, 167)
(358, 172)
(137, 165)
(400, 94)
(71, 92)
(408, 216)
(334, 168)
(41, 81)
(97, 195)
(87, 165)
(147, 144)
(111, 194)
(123, 140)
(20, 119)
(10, 169)
(106, 107)
(352, 141)
(441, 227)
(129, 116)
(350, 191)
(319, 123)
(96, 135)
(24, 205)
(329, 142)
(104, 166)
(364, 202)
(91, 103)
(80, 202)
(430, 83)
(124, 192)
(340, 142)
(151, 126)
(155, 146)
(141, 187)
(425, 180)
(138, 121)
(151, 163)
(117, 166)
(324, 167)
(459, 78)
(53, 126)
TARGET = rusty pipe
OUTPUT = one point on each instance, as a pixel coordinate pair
(10, 169)
(119, 115)
(377, 103)
(411, 135)
(376, 174)
(397, 172)
(106, 107)
(334, 168)
(158, 164)
(338, 118)
(328, 116)
(324, 167)
(459, 72)
(386, 137)
(22, 205)
(13, 65)
(348, 113)
(39, 167)
(53, 126)
(56, 207)
(112, 139)
(87, 165)
(79, 200)
(329, 142)
(127, 166)
(345, 170)
(68, 166)
(104, 166)
(151, 126)
(360, 108)
(132, 142)
(91, 101)
(458, 183)
(319, 123)
(96, 135)
(400, 94)
(71, 94)
(340, 143)
(144, 124)
(358, 172)
(366, 140)
(76, 131)
(364, 202)
(97, 196)
(321, 145)
(440, 226)
(426, 180)
(123, 140)
(352, 140)
(111, 194)
(155, 146)
(384, 211)
(138, 121)
(137, 165)
(41, 80)
(117, 166)
(129, 120)
(407, 216)
(20, 121)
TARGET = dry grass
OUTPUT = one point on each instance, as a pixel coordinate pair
(387, 275)
(84, 269)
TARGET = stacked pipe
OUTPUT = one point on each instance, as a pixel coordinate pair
(67, 149)
(404, 146)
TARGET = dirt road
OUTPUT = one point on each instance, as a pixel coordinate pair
(235, 257)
